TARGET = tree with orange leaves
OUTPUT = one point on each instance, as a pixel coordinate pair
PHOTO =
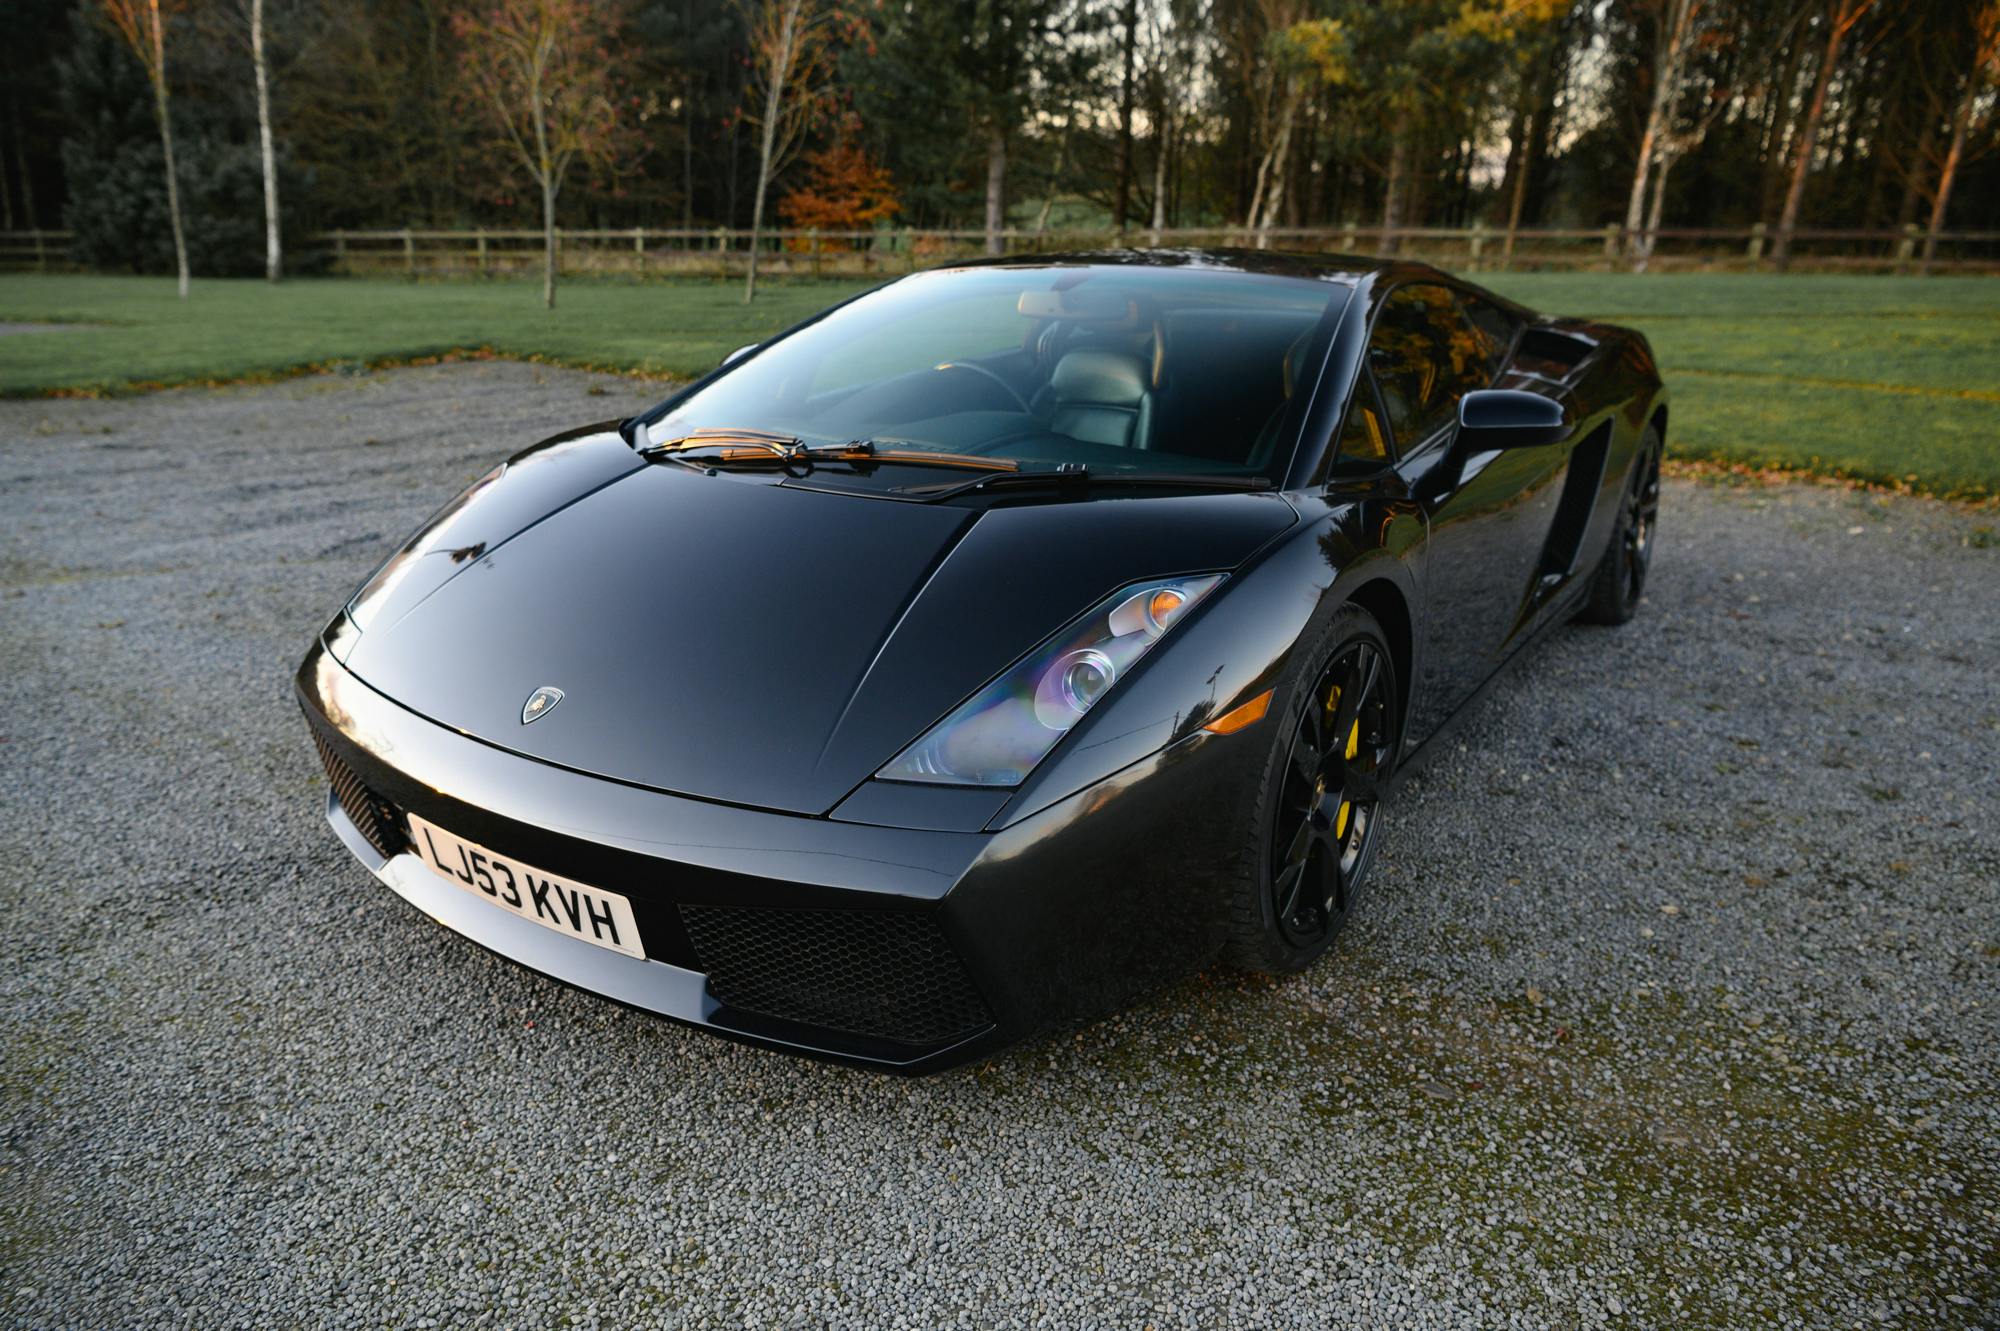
(845, 188)
(143, 27)
(540, 72)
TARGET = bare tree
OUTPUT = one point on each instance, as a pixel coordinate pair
(246, 18)
(1985, 72)
(143, 28)
(1305, 57)
(791, 59)
(1670, 52)
(540, 71)
(1704, 89)
(1840, 17)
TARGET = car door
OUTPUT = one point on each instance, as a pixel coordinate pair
(1488, 512)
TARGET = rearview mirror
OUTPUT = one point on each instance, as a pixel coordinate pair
(738, 354)
(1510, 418)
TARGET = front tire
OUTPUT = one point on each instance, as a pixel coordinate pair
(1620, 579)
(1317, 821)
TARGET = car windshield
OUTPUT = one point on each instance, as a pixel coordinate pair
(1116, 368)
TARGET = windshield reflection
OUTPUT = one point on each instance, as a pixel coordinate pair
(1187, 366)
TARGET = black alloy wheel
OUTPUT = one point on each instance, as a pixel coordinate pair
(1620, 579)
(1642, 515)
(1325, 823)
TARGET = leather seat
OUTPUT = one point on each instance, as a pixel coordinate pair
(1102, 397)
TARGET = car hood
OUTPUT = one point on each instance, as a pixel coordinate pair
(735, 639)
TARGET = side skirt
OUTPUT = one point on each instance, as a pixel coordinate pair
(1561, 611)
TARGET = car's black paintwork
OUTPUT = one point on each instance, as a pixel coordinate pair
(727, 699)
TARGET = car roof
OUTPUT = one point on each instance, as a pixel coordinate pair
(1378, 273)
(1275, 263)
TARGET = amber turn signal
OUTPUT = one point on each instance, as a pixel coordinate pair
(1240, 717)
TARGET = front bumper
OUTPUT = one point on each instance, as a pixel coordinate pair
(896, 948)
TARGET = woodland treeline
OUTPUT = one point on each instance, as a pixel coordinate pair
(1031, 114)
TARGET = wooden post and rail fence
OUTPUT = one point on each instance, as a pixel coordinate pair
(719, 252)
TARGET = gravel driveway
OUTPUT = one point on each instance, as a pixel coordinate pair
(1674, 1005)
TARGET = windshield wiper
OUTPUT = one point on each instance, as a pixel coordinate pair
(1076, 476)
(762, 448)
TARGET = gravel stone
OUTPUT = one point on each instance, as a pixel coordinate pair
(1673, 1005)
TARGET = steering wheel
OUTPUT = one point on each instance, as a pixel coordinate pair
(1006, 387)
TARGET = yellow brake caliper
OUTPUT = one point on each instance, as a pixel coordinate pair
(1353, 747)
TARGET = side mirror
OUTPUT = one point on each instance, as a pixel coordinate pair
(738, 354)
(1509, 418)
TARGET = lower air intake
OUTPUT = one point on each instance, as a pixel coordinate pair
(885, 974)
(375, 820)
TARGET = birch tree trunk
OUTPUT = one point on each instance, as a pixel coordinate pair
(1268, 161)
(1837, 23)
(1392, 192)
(1659, 114)
(159, 73)
(1652, 232)
(545, 176)
(774, 99)
(996, 188)
(1163, 140)
(1949, 173)
(1518, 196)
(273, 255)
(757, 200)
(1279, 155)
(548, 244)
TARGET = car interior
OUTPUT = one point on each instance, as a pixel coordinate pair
(1196, 388)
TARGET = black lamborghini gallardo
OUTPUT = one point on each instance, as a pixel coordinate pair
(986, 647)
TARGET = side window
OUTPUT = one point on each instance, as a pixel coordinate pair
(1426, 355)
(1363, 436)
(1495, 327)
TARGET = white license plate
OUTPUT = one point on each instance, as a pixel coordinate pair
(561, 904)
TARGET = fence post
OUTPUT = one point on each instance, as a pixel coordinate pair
(722, 250)
(812, 238)
(480, 236)
(1478, 243)
(910, 249)
(1906, 248)
(1755, 249)
(1611, 234)
(340, 249)
(41, 255)
(1347, 239)
(639, 249)
(409, 254)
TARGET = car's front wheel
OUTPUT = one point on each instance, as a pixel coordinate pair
(1318, 817)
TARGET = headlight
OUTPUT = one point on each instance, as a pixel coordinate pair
(998, 735)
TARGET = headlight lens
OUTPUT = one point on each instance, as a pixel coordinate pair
(997, 736)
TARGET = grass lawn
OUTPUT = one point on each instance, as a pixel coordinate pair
(1879, 378)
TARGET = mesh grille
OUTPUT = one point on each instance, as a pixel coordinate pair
(889, 975)
(375, 819)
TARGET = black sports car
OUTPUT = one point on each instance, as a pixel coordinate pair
(987, 647)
